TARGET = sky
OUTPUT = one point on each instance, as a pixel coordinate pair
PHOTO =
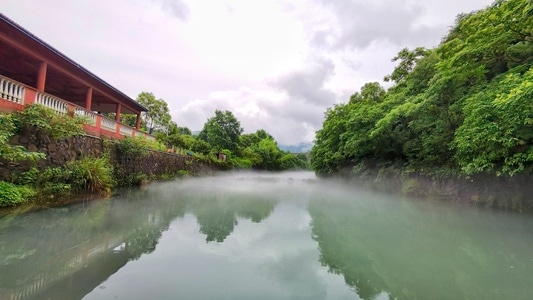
(276, 65)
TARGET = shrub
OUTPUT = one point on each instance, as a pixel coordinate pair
(242, 163)
(201, 146)
(46, 121)
(50, 181)
(92, 174)
(13, 152)
(12, 194)
(137, 146)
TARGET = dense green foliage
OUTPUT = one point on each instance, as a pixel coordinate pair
(44, 120)
(137, 146)
(463, 108)
(11, 152)
(89, 174)
(222, 134)
(222, 131)
(48, 122)
(176, 137)
(12, 194)
(49, 182)
(35, 182)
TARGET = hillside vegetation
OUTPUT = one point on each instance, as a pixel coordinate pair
(463, 108)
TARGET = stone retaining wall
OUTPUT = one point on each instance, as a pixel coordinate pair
(60, 152)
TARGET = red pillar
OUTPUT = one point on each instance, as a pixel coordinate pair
(117, 113)
(41, 77)
(89, 98)
(138, 122)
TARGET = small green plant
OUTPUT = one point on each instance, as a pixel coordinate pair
(12, 194)
(92, 174)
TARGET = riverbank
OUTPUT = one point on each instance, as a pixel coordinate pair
(514, 193)
(135, 179)
(82, 164)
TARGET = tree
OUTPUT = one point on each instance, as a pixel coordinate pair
(157, 117)
(370, 92)
(222, 131)
(408, 60)
(131, 120)
(461, 108)
(183, 130)
(327, 155)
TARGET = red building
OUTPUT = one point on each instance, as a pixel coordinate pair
(32, 71)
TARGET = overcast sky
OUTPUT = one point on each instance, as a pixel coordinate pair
(276, 64)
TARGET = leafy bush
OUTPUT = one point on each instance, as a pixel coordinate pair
(13, 152)
(12, 194)
(242, 163)
(137, 146)
(201, 146)
(132, 146)
(47, 121)
(52, 181)
(92, 174)
(462, 108)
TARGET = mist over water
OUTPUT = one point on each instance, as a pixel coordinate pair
(247, 235)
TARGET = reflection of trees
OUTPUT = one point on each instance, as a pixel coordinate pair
(41, 248)
(217, 216)
(142, 240)
(344, 254)
(408, 253)
(255, 209)
(45, 250)
(216, 225)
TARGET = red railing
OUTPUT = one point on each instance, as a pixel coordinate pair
(14, 96)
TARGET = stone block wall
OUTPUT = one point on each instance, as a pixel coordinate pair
(60, 152)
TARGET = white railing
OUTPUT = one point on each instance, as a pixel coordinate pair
(109, 124)
(86, 114)
(126, 130)
(15, 92)
(52, 102)
(12, 91)
(99, 249)
(30, 290)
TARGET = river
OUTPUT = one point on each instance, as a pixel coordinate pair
(265, 236)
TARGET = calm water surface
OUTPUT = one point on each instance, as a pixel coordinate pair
(264, 236)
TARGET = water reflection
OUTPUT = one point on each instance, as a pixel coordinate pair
(217, 212)
(421, 250)
(41, 250)
(264, 236)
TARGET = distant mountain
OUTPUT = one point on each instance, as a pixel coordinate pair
(300, 148)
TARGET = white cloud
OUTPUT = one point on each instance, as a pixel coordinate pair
(276, 64)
